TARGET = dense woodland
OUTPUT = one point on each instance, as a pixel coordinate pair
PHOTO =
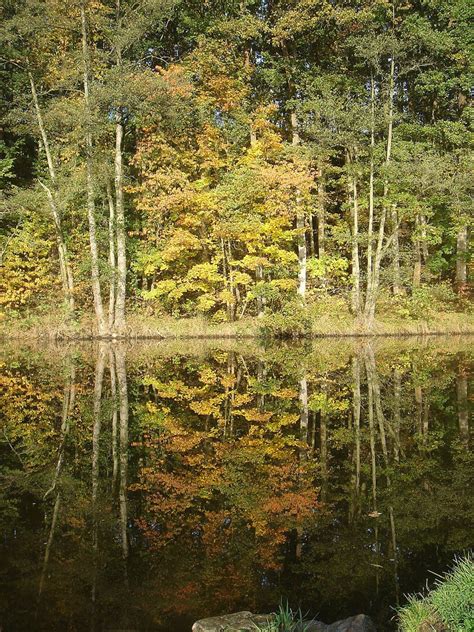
(234, 158)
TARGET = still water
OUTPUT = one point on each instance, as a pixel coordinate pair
(145, 486)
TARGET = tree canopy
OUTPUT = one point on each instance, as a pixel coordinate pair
(229, 158)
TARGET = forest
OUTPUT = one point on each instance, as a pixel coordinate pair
(235, 159)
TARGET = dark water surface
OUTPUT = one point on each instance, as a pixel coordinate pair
(145, 486)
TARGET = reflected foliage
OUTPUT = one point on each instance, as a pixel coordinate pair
(149, 486)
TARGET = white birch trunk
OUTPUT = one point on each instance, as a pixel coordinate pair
(112, 258)
(94, 250)
(67, 278)
(121, 291)
(461, 258)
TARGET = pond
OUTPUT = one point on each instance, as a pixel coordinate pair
(146, 485)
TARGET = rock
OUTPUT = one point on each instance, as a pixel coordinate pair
(247, 622)
(312, 626)
(359, 623)
(237, 622)
(432, 626)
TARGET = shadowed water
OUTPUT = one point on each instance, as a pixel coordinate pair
(145, 486)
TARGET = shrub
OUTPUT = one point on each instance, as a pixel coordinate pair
(292, 321)
(422, 303)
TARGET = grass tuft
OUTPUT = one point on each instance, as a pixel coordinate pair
(449, 607)
(453, 597)
(285, 620)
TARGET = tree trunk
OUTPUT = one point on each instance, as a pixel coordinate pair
(304, 414)
(68, 407)
(397, 393)
(354, 206)
(253, 136)
(300, 224)
(370, 404)
(69, 395)
(324, 454)
(64, 265)
(260, 299)
(374, 386)
(97, 406)
(226, 280)
(426, 419)
(301, 227)
(418, 263)
(295, 137)
(374, 286)
(463, 407)
(395, 253)
(394, 214)
(370, 229)
(232, 286)
(120, 322)
(419, 408)
(356, 407)
(300, 215)
(112, 258)
(95, 276)
(461, 259)
(321, 218)
(114, 405)
(121, 289)
(312, 247)
(123, 415)
(373, 265)
(96, 416)
(49, 544)
(424, 239)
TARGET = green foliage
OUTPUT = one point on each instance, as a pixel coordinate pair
(416, 614)
(331, 268)
(7, 162)
(28, 272)
(453, 597)
(449, 603)
(243, 156)
(424, 302)
(292, 321)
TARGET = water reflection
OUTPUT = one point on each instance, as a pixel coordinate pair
(149, 485)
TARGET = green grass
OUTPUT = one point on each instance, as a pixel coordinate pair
(285, 620)
(449, 606)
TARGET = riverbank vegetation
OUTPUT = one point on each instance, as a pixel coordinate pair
(449, 606)
(230, 160)
(294, 321)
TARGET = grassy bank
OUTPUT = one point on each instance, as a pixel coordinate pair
(294, 323)
(449, 607)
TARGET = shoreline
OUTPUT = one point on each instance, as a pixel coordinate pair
(56, 327)
(158, 337)
(62, 336)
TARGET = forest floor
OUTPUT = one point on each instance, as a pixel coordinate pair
(55, 326)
